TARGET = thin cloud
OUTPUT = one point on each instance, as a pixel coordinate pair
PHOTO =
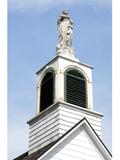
(47, 4)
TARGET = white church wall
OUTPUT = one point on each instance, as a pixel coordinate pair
(56, 121)
(44, 131)
(76, 147)
(70, 115)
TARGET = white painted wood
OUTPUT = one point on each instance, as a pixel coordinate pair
(73, 149)
(50, 123)
(60, 118)
(78, 111)
(48, 129)
(60, 64)
(44, 130)
(44, 119)
(44, 135)
(42, 140)
(41, 144)
(69, 117)
(66, 121)
(62, 131)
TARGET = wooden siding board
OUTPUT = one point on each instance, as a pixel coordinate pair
(44, 119)
(46, 126)
(74, 150)
(39, 146)
(44, 131)
(79, 112)
(69, 118)
(56, 123)
(70, 124)
(39, 138)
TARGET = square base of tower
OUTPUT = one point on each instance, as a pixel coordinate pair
(56, 120)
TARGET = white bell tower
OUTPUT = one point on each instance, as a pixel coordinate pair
(64, 92)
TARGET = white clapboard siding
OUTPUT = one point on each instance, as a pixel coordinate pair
(77, 115)
(44, 120)
(44, 135)
(77, 151)
(41, 141)
(66, 124)
(40, 145)
(69, 117)
(66, 121)
(44, 131)
(61, 117)
(51, 123)
(78, 111)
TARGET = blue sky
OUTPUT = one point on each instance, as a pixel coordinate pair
(32, 39)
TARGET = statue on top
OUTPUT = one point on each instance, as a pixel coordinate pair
(65, 29)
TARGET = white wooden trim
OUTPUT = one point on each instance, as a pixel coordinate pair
(93, 138)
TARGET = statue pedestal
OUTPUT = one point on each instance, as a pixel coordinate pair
(67, 52)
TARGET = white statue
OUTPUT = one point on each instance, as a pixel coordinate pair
(65, 28)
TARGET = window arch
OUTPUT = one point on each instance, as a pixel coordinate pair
(75, 88)
(47, 90)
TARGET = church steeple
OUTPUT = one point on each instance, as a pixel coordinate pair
(64, 92)
(64, 78)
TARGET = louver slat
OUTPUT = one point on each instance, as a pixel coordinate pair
(76, 90)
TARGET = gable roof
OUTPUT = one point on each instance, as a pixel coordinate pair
(37, 154)
(47, 149)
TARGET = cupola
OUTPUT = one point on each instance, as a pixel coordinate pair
(64, 78)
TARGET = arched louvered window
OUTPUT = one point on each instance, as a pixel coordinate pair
(47, 91)
(75, 92)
